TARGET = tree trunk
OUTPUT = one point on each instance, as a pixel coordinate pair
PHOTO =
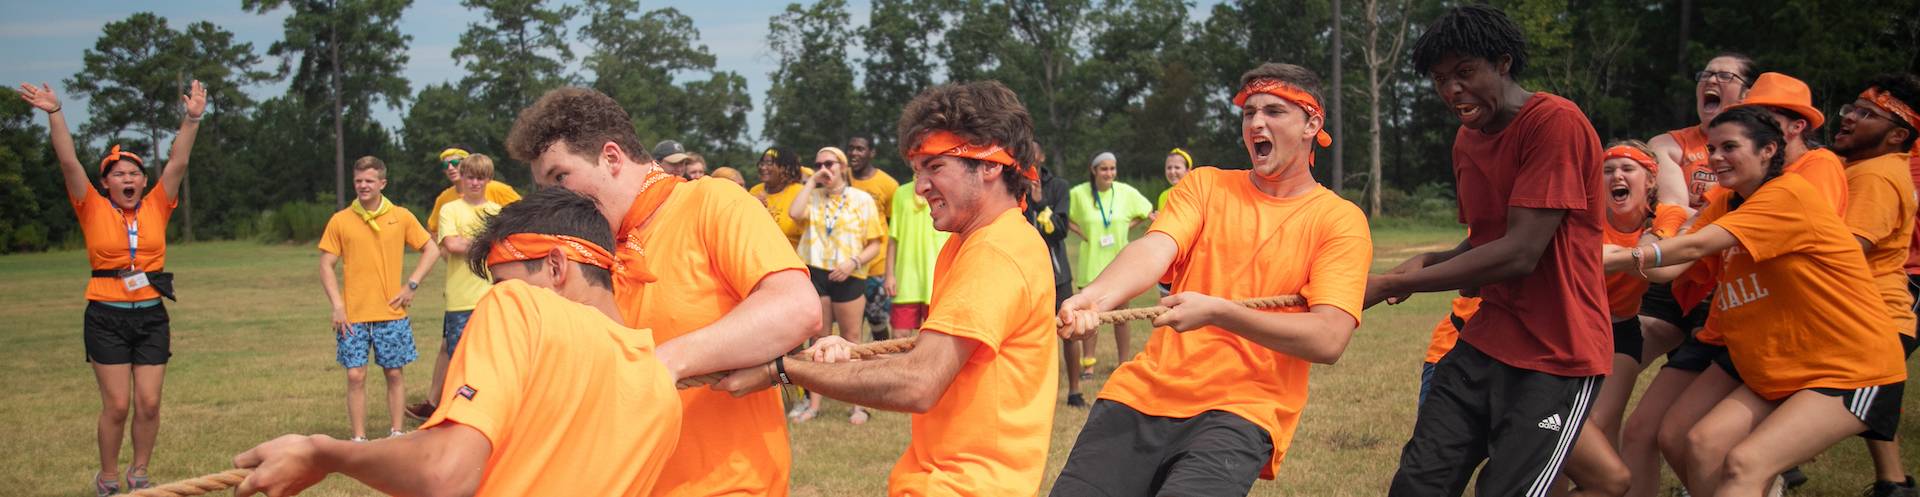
(1373, 108)
(1680, 112)
(339, 128)
(1333, 108)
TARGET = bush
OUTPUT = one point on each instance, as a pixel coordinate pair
(292, 222)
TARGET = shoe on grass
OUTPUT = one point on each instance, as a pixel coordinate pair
(1892, 489)
(105, 488)
(1794, 477)
(1076, 400)
(138, 479)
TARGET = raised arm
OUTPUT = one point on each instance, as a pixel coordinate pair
(1672, 181)
(195, 102)
(75, 175)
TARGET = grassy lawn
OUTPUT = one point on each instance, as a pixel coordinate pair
(253, 359)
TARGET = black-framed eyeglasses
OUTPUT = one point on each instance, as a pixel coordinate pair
(1857, 112)
(1718, 77)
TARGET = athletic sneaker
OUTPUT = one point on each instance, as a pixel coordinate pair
(138, 479)
(421, 411)
(1779, 488)
(1891, 489)
(1076, 400)
(395, 433)
(1794, 477)
(105, 488)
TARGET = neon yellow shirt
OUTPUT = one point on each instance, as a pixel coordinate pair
(459, 218)
(919, 246)
(1106, 225)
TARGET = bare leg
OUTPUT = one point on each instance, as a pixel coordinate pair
(114, 381)
(848, 316)
(1886, 460)
(1658, 337)
(1792, 432)
(1071, 366)
(396, 397)
(357, 400)
(1706, 391)
(439, 375)
(1122, 344)
(147, 382)
(1593, 466)
(1089, 349)
(1637, 439)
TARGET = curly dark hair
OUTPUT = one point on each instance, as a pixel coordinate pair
(1299, 77)
(1906, 89)
(1472, 30)
(581, 118)
(549, 211)
(981, 112)
(1757, 124)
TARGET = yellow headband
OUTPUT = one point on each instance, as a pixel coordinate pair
(1183, 155)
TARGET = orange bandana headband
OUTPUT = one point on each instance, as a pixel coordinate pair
(529, 246)
(115, 155)
(1900, 109)
(943, 142)
(1289, 93)
(1633, 154)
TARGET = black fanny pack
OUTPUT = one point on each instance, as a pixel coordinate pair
(161, 281)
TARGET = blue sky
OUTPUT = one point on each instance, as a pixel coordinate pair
(43, 41)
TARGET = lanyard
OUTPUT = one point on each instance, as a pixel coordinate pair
(1105, 219)
(133, 235)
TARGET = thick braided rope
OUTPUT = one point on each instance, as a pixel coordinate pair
(900, 345)
(195, 486)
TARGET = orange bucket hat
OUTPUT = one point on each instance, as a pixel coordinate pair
(1782, 91)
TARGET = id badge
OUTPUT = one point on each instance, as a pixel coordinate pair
(134, 280)
(1106, 241)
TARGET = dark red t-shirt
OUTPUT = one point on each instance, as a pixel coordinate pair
(1553, 320)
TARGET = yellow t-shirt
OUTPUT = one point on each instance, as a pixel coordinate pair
(1881, 208)
(497, 192)
(709, 245)
(838, 228)
(881, 186)
(777, 204)
(988, 434)
(460, 218)
(573, 402)
(371, 262)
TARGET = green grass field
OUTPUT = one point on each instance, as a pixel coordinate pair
(253, 359)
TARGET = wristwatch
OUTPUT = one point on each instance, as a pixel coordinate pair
(413, 285)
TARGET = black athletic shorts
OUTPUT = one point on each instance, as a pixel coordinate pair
(838, 292)
(1878, 407)
(1122, 452)
(1628, 340)
(1725, 361)
(1520, 422)
(1060, 294)
(1907, 342)
(1658, 303)
(116, 335)
(1693, 354)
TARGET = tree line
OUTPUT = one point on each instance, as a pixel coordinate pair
(1134, 77)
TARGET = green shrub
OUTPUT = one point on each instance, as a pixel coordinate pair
(292, 222)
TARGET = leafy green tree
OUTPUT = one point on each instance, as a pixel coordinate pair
(344, 55)
(35, 216)
(516, 53)
(636, 59)
(898, 40)
(812, 102)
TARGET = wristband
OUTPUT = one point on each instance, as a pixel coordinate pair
(1639, 263)
(1656, 254)
(56, 110)
(196, 119)
(780, 370)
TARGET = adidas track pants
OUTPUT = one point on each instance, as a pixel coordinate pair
(1522, 423)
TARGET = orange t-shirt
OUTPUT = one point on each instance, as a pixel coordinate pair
(1881, 210)
(1236, 242)
(105, 228)
(372, 262)
(988, 433)
(573, 402)
(710, 244)
(1448, 331)
(1821, 168)
(1827, 329)
(1624, 289)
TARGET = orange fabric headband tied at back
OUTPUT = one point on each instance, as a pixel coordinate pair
(1632, 154)
(529, 246)
(115, 155)
(948, 143)
(1289, 93)
(1899, 109)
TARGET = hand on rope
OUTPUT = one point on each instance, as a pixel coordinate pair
(1184, 311)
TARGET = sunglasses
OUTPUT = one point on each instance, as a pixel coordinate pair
(452, 162)
(824, 164)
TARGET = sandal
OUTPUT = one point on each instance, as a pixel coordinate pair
(137, 478)
(105, 488)
(859, 416)
(806, 415)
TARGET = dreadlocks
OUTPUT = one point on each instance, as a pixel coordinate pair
(1472, 30)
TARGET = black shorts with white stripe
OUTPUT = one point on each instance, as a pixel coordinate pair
(1522, 423)
(1878, 407)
